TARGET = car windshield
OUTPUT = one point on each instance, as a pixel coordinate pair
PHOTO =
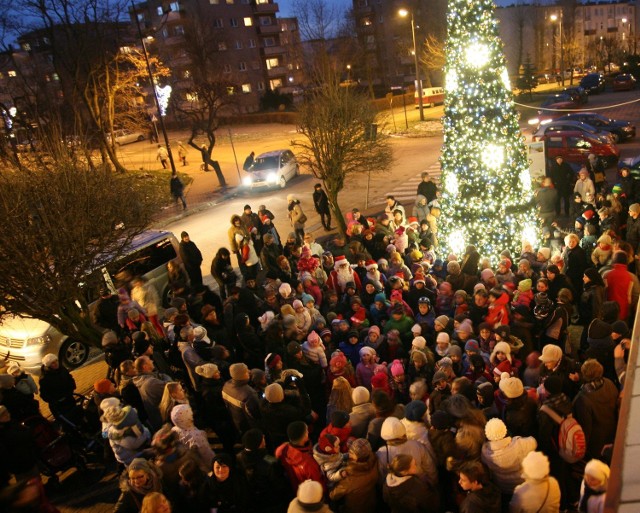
(262, 163)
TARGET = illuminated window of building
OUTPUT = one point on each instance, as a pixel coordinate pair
(230, 90)
(214, 2)
(272, 63)
(11, 73)
(56, 76)
(186, 74)
(275, 83)
(246, 88)
(175, 6)
(248, 21)
(125, 49)
(26, 47)
(160, 11)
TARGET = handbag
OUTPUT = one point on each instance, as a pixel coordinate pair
(302, 219)
(245, 252)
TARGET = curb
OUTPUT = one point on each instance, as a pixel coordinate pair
(229, 193)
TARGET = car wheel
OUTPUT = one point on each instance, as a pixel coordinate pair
(141, 137)
(283, 182)
(73, 353)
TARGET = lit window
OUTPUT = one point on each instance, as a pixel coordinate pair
(275, 83)
(222, 46)
(238, 45)
(230, 2)
(242, 66)
(56, 76)
(252, 43)
(366, 21)
(248, 21)
(191, 97)
(160, 11)
(186, 74)
(174, 6)
(11, 73)
(233, 22)
(227, 68)
(214, 2)
(262, 1)
(230, 90)
(26, 47)
(272, 63)
(246, 88)
(125, 49)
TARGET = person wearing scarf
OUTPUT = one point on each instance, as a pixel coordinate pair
(141, 478)
(593, 490)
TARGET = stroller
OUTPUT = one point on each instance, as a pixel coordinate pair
(54, 450)
(82, 424)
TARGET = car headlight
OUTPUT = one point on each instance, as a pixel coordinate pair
(272, 177)
(533, 121)
(247, 181)
(38, 341)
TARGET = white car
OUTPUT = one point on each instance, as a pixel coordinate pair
(126, 136)
(272, 169)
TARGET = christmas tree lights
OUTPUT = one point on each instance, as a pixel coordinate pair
(486, 198)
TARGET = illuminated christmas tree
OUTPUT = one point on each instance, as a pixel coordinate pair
(486, 198)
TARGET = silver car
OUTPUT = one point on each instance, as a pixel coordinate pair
(126, 136)
(26, 340)
(571, 126)
(272, 169)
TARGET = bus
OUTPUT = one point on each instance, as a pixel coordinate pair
(431, 96)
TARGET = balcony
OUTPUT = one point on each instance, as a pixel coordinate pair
(269, 29)
(277, 71)
(269, 51)
(266, 8)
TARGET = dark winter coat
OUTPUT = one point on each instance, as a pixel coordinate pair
(267, 487)
(596, 409)
(486, 499)
(276, 417)
(56, 388)
(520, 416)
(409, 495)
(242, 403)
(358, 490)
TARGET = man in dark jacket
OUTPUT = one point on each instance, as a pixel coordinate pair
(546, 199)
(177, 190)
(633, 227)
(268, 489)
(482, 494)
(596, 408)
(563, 178)
(427, 187)
(191, 258)
(57, 386)
(241, 400)
(276, 414)
(252, 223)
(321, 204)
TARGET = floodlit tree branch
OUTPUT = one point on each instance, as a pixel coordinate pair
(56, 226)
(335, 139)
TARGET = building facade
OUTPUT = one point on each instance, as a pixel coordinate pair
(248, 45)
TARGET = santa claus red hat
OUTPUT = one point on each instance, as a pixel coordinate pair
(370, 264)
(339, 260)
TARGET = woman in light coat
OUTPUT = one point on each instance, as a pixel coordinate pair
(296, 217)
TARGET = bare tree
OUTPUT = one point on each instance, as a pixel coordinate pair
(336, 139)
(433, 55)
(57, 226)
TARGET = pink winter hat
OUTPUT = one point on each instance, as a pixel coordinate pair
(313, 337)
(396, 368)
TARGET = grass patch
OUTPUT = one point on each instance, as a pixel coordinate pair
(154, 184)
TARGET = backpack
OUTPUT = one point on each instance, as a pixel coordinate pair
(572, 444)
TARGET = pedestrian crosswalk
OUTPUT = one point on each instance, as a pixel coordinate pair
(405, 193)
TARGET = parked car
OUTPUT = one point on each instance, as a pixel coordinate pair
(553, 107)
(126, 136)
(579, 94)
(593, 83)
(272, 169)
(571, 126)
(624, 82)
(621, 130)
(574, 147)
(26, 340)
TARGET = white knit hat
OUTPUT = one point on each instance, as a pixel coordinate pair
(495, 429)
(419, 343)
(416, 328)
(208, 370)
(598, 470)
(535, 465)
(310, 493)
(511, 387)
(360, 395)
(392, 429)
(48, 359)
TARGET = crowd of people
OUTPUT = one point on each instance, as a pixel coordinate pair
(371, 374)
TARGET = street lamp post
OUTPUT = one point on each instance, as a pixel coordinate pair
(624, 24)
(403, 13)
(555, 17)
(155, 94)
(349, 74)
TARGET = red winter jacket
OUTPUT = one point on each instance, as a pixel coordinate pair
(299, 464)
